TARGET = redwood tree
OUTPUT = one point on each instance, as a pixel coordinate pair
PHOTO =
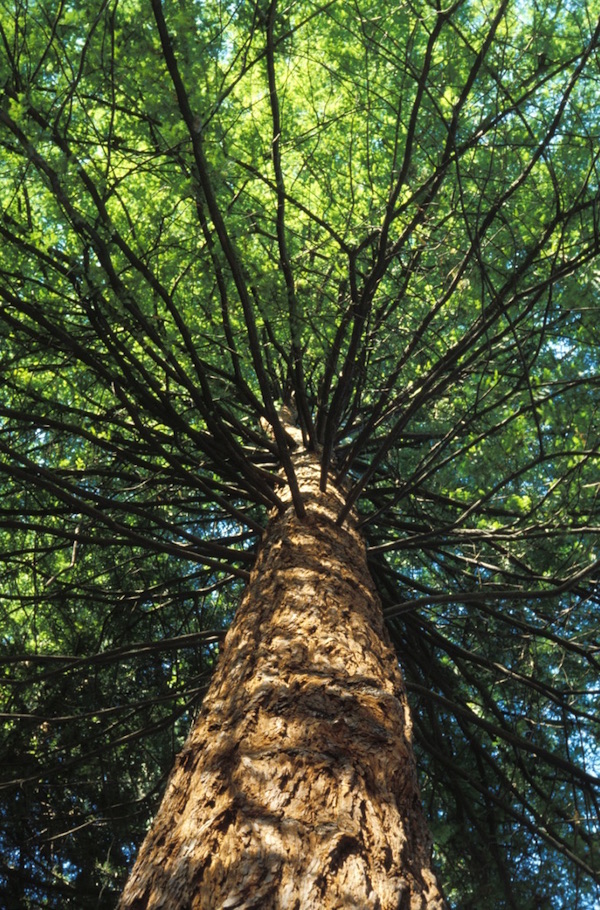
(297, 786)
(299, 301)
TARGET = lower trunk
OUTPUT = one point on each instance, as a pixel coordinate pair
(296, 788)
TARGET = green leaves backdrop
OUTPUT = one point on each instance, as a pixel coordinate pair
(392, 215)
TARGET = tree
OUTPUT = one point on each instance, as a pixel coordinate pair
(389, 221)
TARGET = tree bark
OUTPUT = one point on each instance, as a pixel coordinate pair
(296, 788)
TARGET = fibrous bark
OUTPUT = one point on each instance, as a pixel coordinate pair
(296, 788)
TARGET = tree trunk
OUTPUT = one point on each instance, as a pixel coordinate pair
(296, 788)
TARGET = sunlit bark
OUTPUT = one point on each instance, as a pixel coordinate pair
(297, 786)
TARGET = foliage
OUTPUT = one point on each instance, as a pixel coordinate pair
(390, 216)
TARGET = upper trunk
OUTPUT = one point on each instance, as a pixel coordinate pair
(296, 788)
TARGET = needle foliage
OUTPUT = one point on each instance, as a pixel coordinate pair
(388, 215)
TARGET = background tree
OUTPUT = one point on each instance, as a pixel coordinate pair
(392, 214)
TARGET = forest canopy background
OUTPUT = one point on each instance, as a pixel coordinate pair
(390, 216)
